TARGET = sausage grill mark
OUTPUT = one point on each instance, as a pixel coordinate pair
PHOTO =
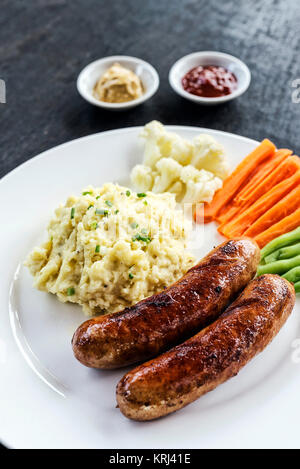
(170, 317)
(212, 356)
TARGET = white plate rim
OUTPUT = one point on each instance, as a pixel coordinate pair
(171, 127)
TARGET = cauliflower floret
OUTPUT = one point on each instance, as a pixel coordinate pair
(209, 154)
(153, 130)
(152, 133)
(168, 172)
(177, 189)
(181, 150)
(200, 185)
(142, 177)
(190, 173)
(193, 171)
(159, 143)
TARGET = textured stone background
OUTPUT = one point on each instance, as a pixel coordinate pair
(45, 43)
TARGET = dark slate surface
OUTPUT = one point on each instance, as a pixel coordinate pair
(45, 43)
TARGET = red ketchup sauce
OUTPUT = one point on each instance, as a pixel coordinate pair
(209, 81)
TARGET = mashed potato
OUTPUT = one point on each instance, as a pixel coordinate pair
(110, 248)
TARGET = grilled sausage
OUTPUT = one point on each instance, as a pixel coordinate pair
(214, 355)
(166, 319)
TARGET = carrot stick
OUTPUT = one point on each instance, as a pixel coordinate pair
(286, 169)
(263, 171)
(228, 213)
(281, 210)
(233, 183)
(222, 230)
(285, 225)
(239, 225)
(232, 209)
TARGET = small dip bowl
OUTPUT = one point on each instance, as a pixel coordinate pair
(89, 76)
(231, 63)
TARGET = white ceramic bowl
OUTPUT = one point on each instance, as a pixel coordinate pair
(89, 76)
(234, 65)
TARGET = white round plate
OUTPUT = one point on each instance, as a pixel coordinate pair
(47, 398)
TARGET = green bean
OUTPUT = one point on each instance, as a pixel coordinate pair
(297, 287)
(279, 267)
(281, 241)
(283, 253)
(293, 275)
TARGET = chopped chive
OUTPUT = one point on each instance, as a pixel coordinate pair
(138, 237)
(97, 248)
(87, 193)
(71, 291)
(145, 202)
(116, 212)
(101, 211)
(108, 202)
(72, 212)
(141, 195)
(94, 225)
(128, 193)
(98, 197)
(134, 225)
(130, 275)
(90, 206)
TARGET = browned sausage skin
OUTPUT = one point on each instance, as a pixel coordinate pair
(164, 320)
(214, 355)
